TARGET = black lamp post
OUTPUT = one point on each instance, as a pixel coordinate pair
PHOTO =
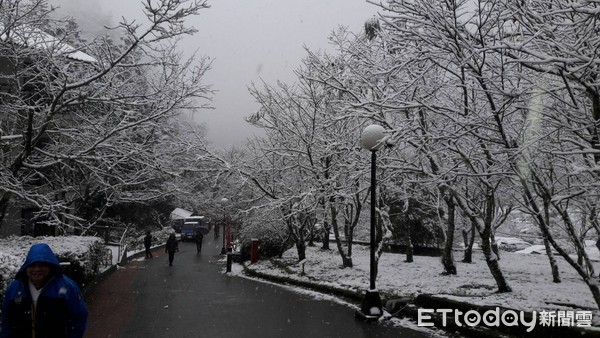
(223, 203)
(372, 139)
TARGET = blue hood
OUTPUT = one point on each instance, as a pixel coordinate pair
(40, 253)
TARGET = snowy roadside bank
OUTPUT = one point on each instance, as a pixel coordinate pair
(421, 285)
(84, 257)
(81, 256)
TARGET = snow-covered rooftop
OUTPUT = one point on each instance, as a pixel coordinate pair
(179, 213)
(29, 36)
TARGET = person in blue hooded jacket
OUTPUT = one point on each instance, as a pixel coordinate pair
(42, 302)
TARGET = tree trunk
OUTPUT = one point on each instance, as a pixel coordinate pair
(346, 260)
(447, 255)
(311, 239)
(468, 256)
(301, 248)
(355, 217)
(409, 245)
(552, 260)
(311, 234)
(346, 227)
(297, 235)
(494, 245)
(4, 201)
(492, 262)
(349, 240)
(465, 236)
(283, 244)
(325, 236)
(594, 288)
(548, 246)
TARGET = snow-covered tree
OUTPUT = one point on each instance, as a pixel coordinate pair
(410, 82)
(520, 119)
(559, 152)
(85, 121)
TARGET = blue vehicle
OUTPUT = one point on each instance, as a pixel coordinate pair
(190, 228)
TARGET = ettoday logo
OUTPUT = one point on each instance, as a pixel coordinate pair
(499, 317)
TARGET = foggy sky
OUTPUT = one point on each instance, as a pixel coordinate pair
(247, 41)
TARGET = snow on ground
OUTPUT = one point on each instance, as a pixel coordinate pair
(529, 276)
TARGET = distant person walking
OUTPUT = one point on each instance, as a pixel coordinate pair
(171, 247)
(148, 244)
(199, 238)
(41, 301)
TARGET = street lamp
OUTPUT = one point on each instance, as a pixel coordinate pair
(372, 139)
(223, 203)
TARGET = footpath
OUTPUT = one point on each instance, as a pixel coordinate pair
(88, 289)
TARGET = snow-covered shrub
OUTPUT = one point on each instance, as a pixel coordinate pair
(9, 265)
(162, 235)
(269, 245)
(83, 253)
(83, 265)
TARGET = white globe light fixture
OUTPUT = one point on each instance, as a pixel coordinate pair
(373, 138)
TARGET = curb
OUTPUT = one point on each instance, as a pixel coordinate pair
(353, 296)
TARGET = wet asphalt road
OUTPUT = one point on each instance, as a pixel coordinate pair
(195, 298)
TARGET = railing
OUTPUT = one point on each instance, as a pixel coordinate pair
(122, 249)
(107, 259)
